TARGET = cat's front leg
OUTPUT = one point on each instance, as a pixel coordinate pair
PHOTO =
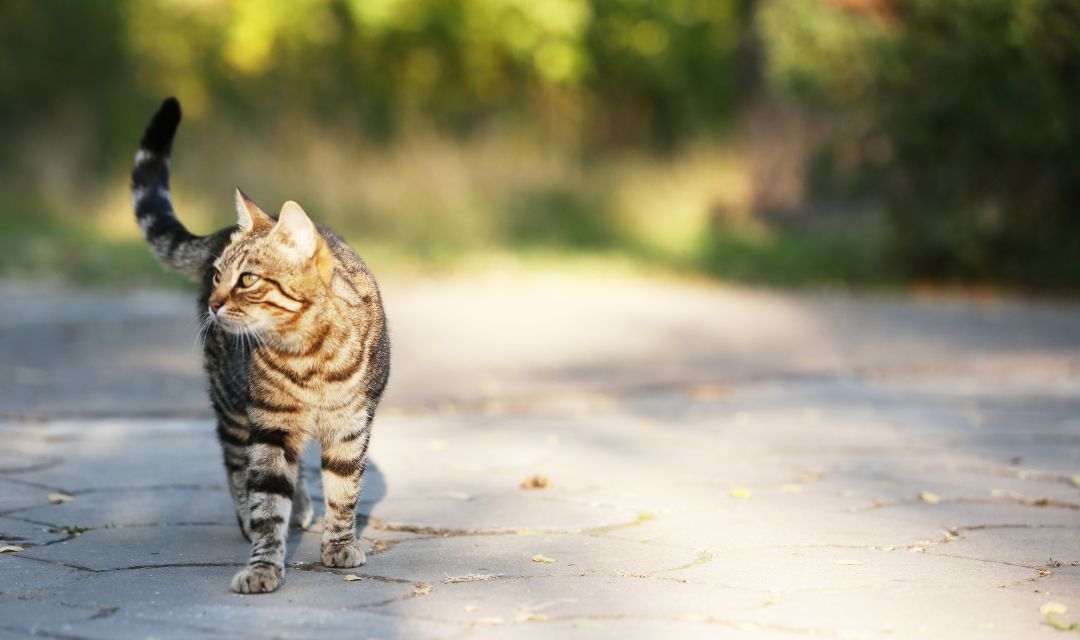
(344, 456)
(273, 466)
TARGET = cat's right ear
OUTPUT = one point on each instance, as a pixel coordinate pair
(248, 214)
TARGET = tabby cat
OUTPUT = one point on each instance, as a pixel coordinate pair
(295, 346)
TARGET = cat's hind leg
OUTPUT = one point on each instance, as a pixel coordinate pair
(232, 432)
(302, 511)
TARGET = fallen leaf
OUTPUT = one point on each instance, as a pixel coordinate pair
(1053, 607)
(10, 548)
(707, 393)
(740, 493)
(421, 589)
(349, 577)
(1059, 625)
(791, 488)
(469, 608)
(929, 498)
(60, 498)
(997, 493)
(1076, 480)
(542, 558)
(535, 482)
(584, 624)
(850, 562)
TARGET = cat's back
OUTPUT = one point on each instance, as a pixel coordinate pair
(359, 284)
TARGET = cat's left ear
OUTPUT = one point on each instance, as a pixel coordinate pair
(295, 231)
(297, 234)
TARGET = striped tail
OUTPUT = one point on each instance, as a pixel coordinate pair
(174, 245)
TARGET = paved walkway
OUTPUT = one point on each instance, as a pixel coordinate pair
(718, 463)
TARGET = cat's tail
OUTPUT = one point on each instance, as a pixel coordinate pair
(174, 245)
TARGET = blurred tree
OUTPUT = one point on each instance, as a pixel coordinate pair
(965, 117)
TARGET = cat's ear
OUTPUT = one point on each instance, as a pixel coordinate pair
(248, 214)
(296, 232)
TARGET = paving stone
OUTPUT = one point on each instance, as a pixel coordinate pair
(139, 507)
(532, 511)
(26, 534)
(720, 464)
(435, 559)
(29, 617)
(633, 628)
(116, 454)
(104, 549)
(166, 588)
(33, 579)
(617, 595)
(1030, 546)
(16, 496)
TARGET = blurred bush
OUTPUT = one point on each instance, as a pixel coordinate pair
(757, 139)
(960, 115)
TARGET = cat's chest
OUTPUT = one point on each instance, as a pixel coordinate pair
(313, 381)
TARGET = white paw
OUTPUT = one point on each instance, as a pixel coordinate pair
(344, 556)
(258, 579)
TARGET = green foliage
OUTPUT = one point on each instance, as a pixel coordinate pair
(606, 72)
(972, 107)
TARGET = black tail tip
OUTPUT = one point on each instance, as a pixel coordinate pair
(159, 133)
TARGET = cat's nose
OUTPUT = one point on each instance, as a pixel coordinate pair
(214, 306)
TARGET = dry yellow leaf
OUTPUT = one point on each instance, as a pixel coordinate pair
(542, 558)
(707, 393)
(791, 488)
(537, 481)
(421, 589)
(10, 548)
(1076, 480)
(929, 498)
(740, 493)
(349, 577)
(1053, 607)
(60, 498)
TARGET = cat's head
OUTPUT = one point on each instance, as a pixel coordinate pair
(270, 272)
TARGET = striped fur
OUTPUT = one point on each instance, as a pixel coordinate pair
(295, 348)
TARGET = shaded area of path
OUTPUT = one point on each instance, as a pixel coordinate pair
(720, 462)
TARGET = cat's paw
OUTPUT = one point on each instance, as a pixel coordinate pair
(301, 518)
(258, 579)
(344, 556)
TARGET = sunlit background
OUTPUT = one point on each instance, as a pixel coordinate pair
(873, 143)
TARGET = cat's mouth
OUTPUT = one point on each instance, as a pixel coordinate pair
(231, 324)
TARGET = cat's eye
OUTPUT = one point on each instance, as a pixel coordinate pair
(248, 279)
(217, 278)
